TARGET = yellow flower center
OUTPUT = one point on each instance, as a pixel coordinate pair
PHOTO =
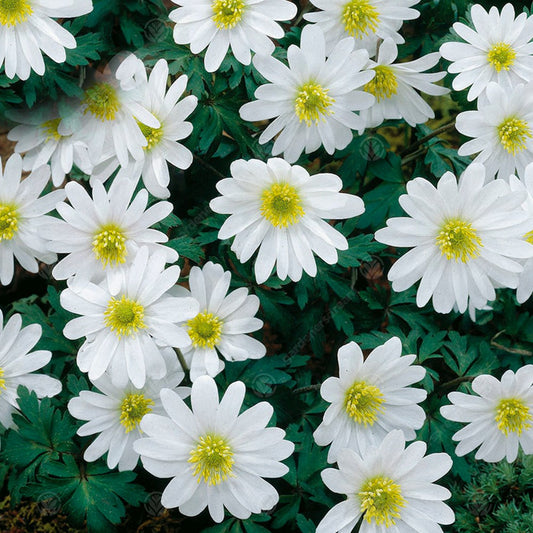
(2, 380)
(109, 245)
(281, 205)
(312, 103)
(102, 101)
(153, 136)
(9, 221)
(529, 237)
(381, 500)
(457, 239)
(50, 128)
(132, 409)
(13, 12)
(227, 13)
(360, 18)
(205, 329)
(384, 84)
(501, 56)
(124, 316)
(212, 459)
(513, 415)
(363, 403)
(513, 133)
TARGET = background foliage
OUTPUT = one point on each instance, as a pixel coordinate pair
(44, 477)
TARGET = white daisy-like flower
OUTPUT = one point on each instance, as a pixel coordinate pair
(115, 413)
(502, 130)
(215, 457)
(38, 138)
(313, 99)
(395, 87)
(22, 214)
(111, 115)
(525, 281)
(279, 209)
(17, 364)
(27, 29)
(222, 324)
(499, 419)
(370, 398)
(498, 49)
(245, 25)
(466, 239)
(124, 332)
(391, 487)
(162, 143)
(102, 234)
(367, 21)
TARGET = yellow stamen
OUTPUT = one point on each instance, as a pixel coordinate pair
(384, 84)
(13, 12)
(132, 409)
(513, 133)
(102, 101)
(360, 18)
(312, 103)
(50, 128)
(205, 329)
(381, 500)
(153, 136)
(281, 205)
(501, 56)
(125, 317)
(363, 403)
(227, 13)
(109, 245)
(212, 459)
(513, 416)
(9, 221)
(458, 240)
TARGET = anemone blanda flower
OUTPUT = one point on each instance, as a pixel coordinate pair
(279, 209)
(102, 234)
(216, 457)
(18, 364)
(498, 49)
(391, 487)
(222, 324)
(22, 213)
(312, 101)
(395, 87)
(466, 239)
(367, 21)
(370, 398)
(27, 29)
(243, 25)
(115, 413)
(38, 138)
(124, 331)
(502, 130)
(162, 143)
(499, 418)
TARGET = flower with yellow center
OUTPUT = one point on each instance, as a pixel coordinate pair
(9, 221)
(2, 380)
(384, 84)
(312, 103)
(514, 133)
(381, 500)
(205, 330)
(498, 417)
(363, 403)
(212, 459)
(109, 245)
(228, 13)
(281, 205)
(124, 316)
(133, 408)
(153, 136)
(501, 56)
(50, 129)
(458, 240)
(13, 12)
(360, 17)
(101, 100)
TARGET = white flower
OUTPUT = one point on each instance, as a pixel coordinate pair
(244, 25)
(394, 88)
(101, 235)
(370, 398)
(525, 281)
(222, 324)
(216, 457)
(22, 213)
(115, 415)
(38, 137)
(27, 30)
(313, 99)
(367, 21)
(17, 364)
(279, 209)
(391, 487)
(124, 331)
(111, 116)
(499, 419)
(162, 146)
(466, 239)
(498, 50)
(502, 130)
